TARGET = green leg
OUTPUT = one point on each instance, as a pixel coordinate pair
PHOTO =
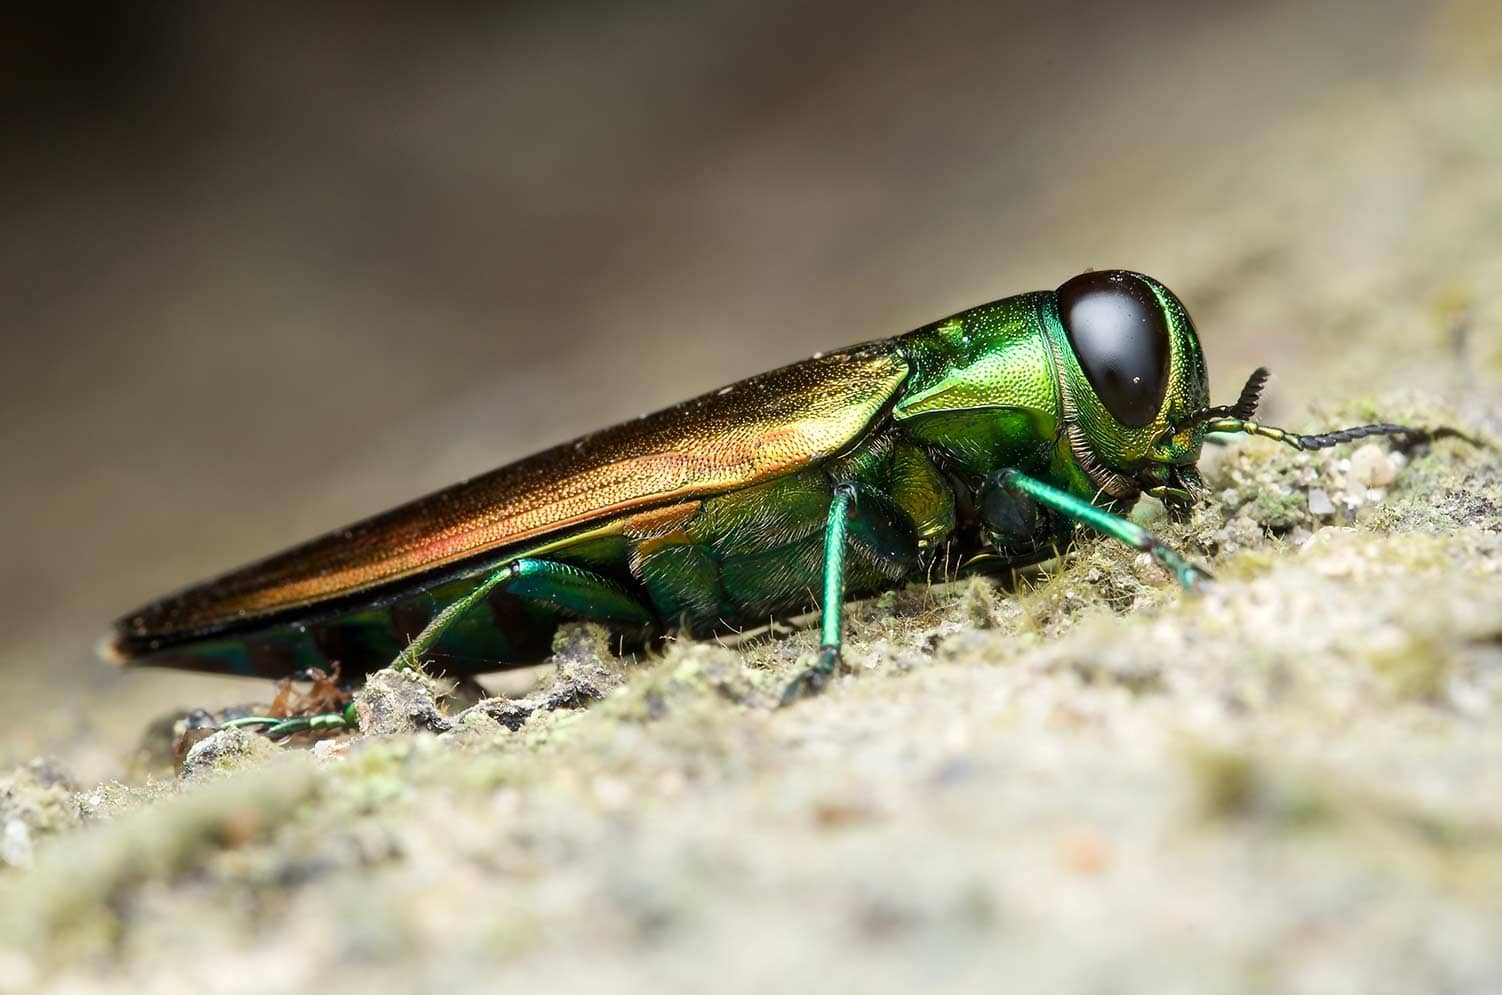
(576, 590)
(1085, 513)
(836, 534)
(572, 588)
(865, 518)
(280, 728)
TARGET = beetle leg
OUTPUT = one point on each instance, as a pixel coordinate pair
(1085, 513)
(280, 728)
(579, 591)
(861, 517)
(836, 533)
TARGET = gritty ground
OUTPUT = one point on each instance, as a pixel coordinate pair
(1081, 780)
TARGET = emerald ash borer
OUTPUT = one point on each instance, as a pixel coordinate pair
(989, 436)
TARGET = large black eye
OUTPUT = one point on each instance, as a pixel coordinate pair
(1119, 332)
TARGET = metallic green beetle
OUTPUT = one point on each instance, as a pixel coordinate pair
(990, 435)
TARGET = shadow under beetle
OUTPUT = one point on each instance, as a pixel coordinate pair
(992, 434)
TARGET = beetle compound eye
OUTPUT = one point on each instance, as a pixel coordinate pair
(1119, 332)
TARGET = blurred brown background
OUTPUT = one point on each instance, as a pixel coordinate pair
(266, 272)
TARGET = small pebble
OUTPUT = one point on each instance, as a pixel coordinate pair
(331, 749)
(1373, 466)
(226, 750)
(1320, 503)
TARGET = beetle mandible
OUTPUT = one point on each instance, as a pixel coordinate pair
(993, 433)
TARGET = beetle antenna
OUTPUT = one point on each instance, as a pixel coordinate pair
(1244, 409)
(1251, 394)
(1407, 436)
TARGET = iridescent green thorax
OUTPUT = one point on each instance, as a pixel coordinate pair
(990, 356)
(983, 387)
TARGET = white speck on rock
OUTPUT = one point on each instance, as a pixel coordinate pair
(331, 749)
(15, 844)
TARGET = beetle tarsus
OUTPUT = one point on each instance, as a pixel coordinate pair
(281, 728)
(816, 678)
(1190, 577)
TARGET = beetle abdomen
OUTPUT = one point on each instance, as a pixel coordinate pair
(502, 631)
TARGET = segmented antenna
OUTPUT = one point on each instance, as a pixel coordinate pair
(1238, 417)
(1251, 395)
(1244, 408)
(1407, 436)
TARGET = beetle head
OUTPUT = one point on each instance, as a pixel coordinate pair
(1130, 371)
